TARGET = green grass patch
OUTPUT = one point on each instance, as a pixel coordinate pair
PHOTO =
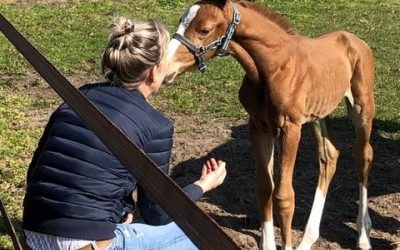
(73, 36)
(17, 142)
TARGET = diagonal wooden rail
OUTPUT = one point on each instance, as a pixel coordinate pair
(202, 229)
(10, 228)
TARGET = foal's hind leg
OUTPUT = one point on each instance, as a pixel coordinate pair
(361, 110)
(263, 147)
(328, 154)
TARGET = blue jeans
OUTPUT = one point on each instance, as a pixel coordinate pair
(141, 236)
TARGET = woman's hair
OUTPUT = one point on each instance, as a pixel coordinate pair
(134, 47)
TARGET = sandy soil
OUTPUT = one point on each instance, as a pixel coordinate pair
(233, 205)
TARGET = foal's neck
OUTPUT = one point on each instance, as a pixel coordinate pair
(255, 36)
(256, 27)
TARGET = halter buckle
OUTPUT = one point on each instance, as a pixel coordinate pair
(203, 68)
(201, 64)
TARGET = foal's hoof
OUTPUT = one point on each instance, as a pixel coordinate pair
(266, 247)
(364, 245)
(364, 248)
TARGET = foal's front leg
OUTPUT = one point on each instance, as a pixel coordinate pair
(263, 147)
(287, 142)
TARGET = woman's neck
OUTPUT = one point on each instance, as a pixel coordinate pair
(145, 90)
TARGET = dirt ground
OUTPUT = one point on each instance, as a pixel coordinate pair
(233, 205)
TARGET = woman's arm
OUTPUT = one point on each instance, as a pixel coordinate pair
(159, 150)
(213, 175)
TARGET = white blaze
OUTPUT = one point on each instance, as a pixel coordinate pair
(185, 22)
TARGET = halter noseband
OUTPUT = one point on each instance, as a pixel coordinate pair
(220, 44)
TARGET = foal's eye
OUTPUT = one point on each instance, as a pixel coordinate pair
(204, 31)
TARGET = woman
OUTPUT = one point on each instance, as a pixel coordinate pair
(79, 196)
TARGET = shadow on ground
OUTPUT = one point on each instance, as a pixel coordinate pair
(237, 196)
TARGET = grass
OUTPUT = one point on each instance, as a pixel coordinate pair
(72, 34)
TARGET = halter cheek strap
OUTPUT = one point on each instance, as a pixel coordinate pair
(220, 44)
(221, 51)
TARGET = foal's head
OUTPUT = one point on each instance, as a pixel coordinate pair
(204, 23)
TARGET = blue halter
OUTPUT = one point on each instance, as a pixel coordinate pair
(220, 44)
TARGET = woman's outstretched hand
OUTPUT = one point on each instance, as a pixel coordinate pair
(128, 218)
(212, 175)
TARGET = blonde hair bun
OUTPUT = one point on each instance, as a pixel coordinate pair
(134, 47)
(120, 27)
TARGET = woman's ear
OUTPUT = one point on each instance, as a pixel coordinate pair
(151, 76)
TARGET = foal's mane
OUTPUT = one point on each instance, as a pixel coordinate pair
(271, 15)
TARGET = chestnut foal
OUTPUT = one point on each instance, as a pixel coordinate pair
(290, 80)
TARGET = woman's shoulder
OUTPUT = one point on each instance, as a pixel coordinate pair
(106, 93)
(99, 84)
(121, 104)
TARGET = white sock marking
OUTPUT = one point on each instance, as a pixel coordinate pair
(311, 233)
(267, 236)
(185, 22)
(363, 220)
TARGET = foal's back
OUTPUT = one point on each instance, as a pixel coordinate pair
(313, 74)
